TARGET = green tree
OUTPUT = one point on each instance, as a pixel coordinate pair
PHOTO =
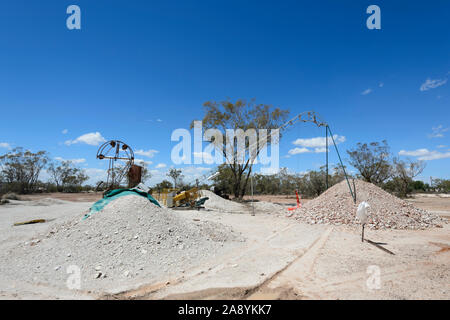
(66, 176)
(372, 161)
(442, 185)
(419, 185)
(404, 173)
(165, 184)
(316, 182)
(241, 115)
(224, 180)
(20, 169)
(176, 176)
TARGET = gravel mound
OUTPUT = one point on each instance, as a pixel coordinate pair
(335, 206)
(130, 241)
(220, 204)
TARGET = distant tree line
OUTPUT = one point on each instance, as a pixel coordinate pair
(20, 170)
(373, 162)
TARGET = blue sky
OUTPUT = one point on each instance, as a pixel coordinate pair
(137, 70)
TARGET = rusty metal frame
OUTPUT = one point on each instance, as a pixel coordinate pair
(112, 151)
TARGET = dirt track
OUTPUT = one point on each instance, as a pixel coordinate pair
(333, 265)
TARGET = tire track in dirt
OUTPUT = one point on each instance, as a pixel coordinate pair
(288, 281)
(149, 291)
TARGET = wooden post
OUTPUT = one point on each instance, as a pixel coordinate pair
(362, 235)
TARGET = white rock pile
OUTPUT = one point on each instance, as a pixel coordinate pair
(336, 206)
(130, 240)
(217, 203)
(220, 204)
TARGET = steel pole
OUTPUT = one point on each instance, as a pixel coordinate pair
(326, 141)
(342, 166)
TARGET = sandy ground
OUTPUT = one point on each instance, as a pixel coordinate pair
(290, 200)
(74, 197)
(281, 259)
(435, 203)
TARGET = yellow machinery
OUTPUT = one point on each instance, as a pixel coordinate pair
(186, 198)
(170, 199)
(165, 197)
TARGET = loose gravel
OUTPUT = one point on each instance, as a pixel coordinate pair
(218, 203)
(130, 241)
(336, 206)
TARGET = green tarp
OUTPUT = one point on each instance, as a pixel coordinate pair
(117, 193)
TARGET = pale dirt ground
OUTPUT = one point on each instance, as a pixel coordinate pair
(74, 197)
(281, 259)
(290, 200)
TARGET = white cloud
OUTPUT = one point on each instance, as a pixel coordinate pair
(160, 165)
(318, 142)
(367, 91)
(381, 85)
(431, 84)
(425, 154)
(94, 171)
(95, 175)
(5, 145)
(298, 151)
(149, 153)
(441, 146)
(158, 120)
(193, 172)
(306, 150)
(414, 153)
(65, 131)
(142, 161)
(80, 160)
(438, 132)
(320, 150)
(207, 157)
(317, 145)
(92, 139)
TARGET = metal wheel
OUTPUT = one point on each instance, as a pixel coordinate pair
(112, 151)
